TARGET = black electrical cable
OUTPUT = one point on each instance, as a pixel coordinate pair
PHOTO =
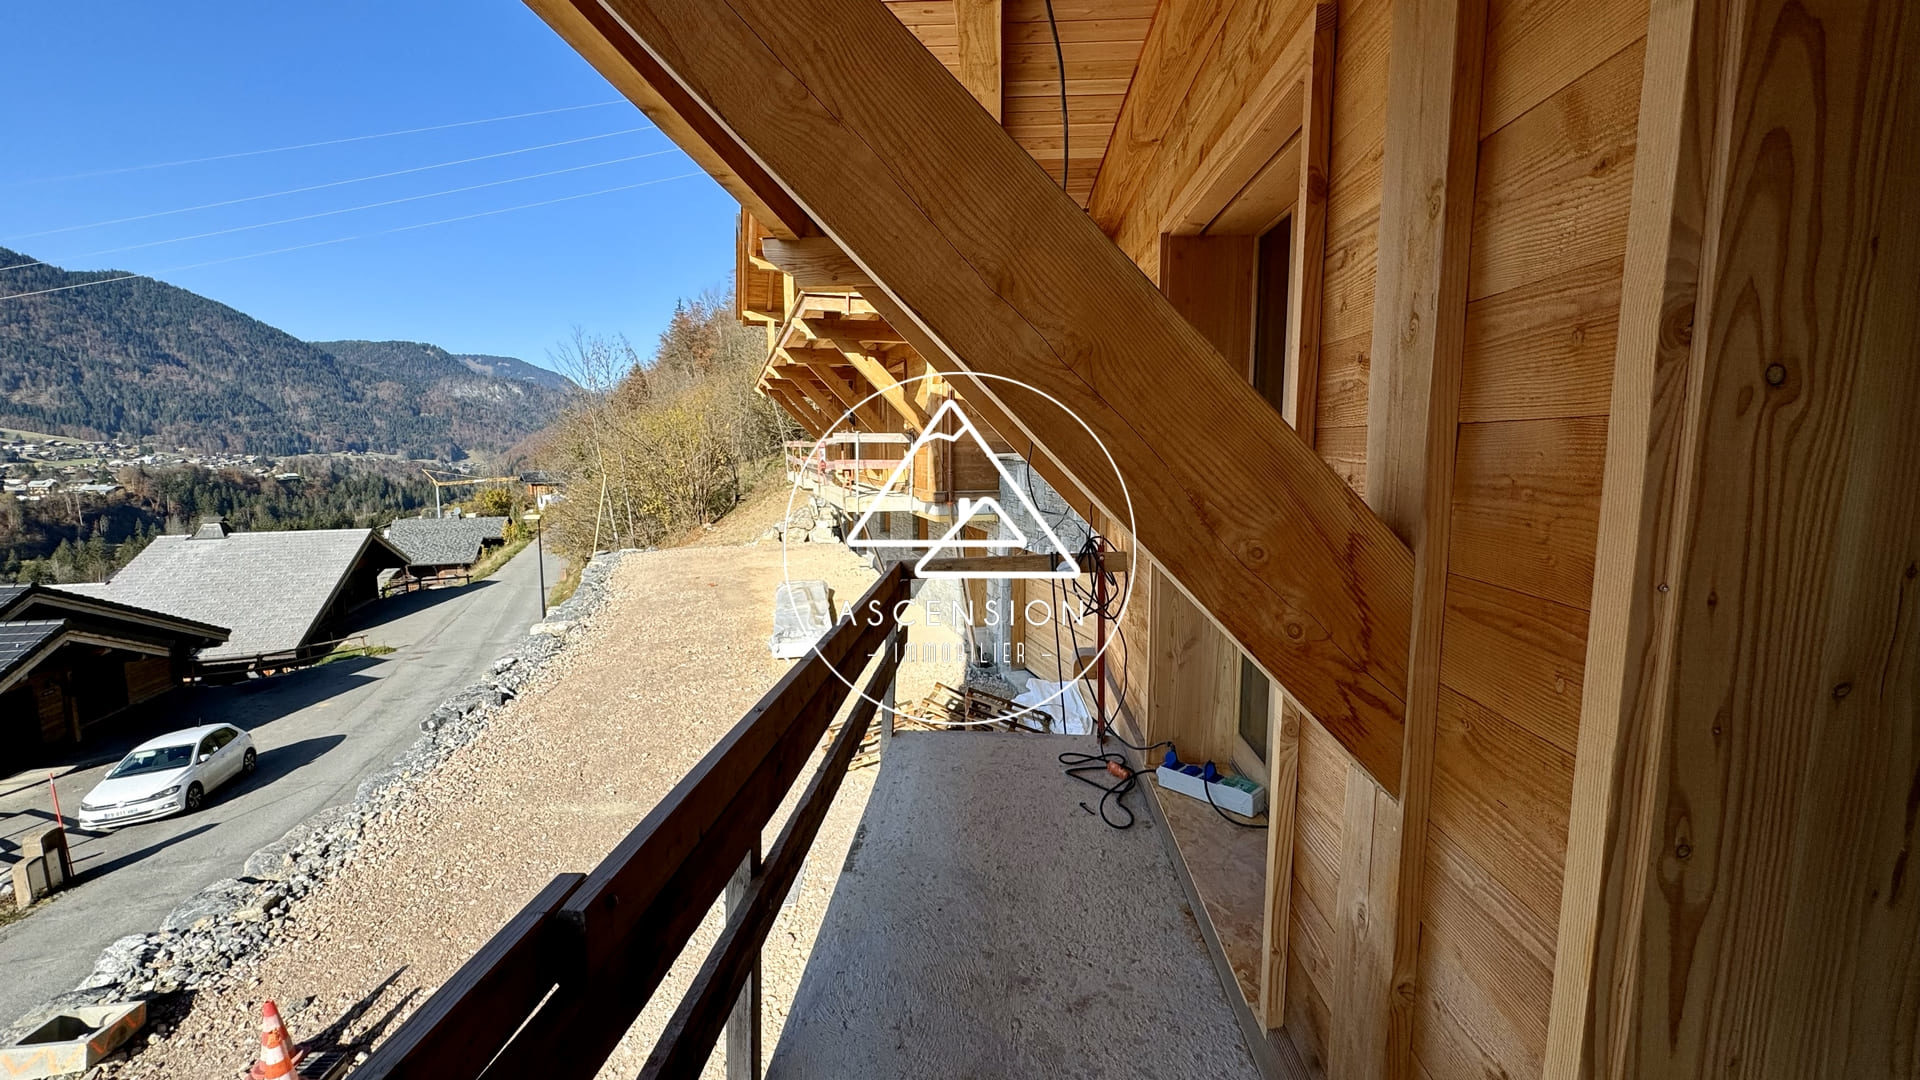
(1060, 63)
(1075, 765)
(1208, 788)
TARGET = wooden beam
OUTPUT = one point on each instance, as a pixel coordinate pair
(870, 368)
(816, 263)
(798, 386)
(978, 25)
(1419, 333)
(593, 34)
(1283, 789)
(1310, 227)
(985, 264)
(797, 407)
(852, 398)
(1738, 889)
(993, 564)
(873, 331)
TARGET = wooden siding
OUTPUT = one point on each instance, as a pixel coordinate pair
(1558, 126)
(1100, 40)
(1559, 114)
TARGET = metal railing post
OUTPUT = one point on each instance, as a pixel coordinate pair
(743, 1024)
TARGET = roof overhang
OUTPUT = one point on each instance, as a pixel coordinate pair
(198, 634)
(25, 664)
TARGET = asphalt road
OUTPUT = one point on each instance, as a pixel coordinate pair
(319, 733)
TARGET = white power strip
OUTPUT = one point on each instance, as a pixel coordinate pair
(1236, 794)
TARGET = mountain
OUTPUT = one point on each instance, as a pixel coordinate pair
(141, 359)
(506, 367)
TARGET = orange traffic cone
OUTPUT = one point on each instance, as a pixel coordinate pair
(278, 1055)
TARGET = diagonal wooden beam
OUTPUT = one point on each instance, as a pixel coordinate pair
(805, 395)
(849, 337)
(796, 407)
(984, 264)
(880, 379)
(849, 394)
(586, 27)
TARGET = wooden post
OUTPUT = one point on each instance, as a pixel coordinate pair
(895, 641)
(1419, 334)
(743, 1027)
(1738, 893)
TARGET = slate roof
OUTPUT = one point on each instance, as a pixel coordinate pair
(271, 588)
(20, 641)
(89, 602)
(444, 541)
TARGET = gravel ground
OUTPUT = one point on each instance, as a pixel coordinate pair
(673, 661)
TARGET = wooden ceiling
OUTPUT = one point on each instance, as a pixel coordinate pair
(1100, 41)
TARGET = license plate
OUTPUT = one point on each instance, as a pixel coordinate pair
(118, 814)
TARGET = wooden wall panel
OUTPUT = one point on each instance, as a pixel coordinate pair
(1543, 349)
(1353, 222)
(1526, 506)
(1502, 792)
(1322, 789)
(1518, 655)
(1543, 45)
(1554, 184)
(1559, 123)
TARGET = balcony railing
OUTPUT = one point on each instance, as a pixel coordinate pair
(851, 481)
(553, 993)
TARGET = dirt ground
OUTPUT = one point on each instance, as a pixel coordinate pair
(673, 661)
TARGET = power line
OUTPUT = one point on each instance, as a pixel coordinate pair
(360, 236)
(329, 184)
(351, 209)
(312, 145)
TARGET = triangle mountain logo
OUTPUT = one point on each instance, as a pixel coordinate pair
(952, 541)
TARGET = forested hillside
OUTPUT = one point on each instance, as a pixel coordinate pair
(661, 444)
(145, 360)
(67, 537)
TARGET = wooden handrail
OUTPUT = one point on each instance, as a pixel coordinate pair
(553, 993)
(466, 1022)
(689, 1037)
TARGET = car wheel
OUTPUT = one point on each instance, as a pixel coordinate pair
(195, 796)
(248, 763)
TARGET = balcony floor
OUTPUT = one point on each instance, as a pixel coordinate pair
(986, 926)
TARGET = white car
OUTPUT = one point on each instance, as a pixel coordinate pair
(168, 775)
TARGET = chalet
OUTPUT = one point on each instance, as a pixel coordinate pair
(69, 662)
(1516, 400)
(286, 595)
(543, 486)
(446, 545)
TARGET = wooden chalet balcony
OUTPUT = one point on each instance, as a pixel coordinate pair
(962, 940)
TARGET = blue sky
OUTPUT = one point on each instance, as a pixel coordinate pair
(112, 85)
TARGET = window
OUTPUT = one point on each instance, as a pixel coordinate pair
(1271, 310)
(1254, 691)
(221, 738)
(208, 746)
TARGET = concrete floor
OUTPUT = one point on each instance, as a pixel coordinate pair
(987, 926)
(319, 731)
